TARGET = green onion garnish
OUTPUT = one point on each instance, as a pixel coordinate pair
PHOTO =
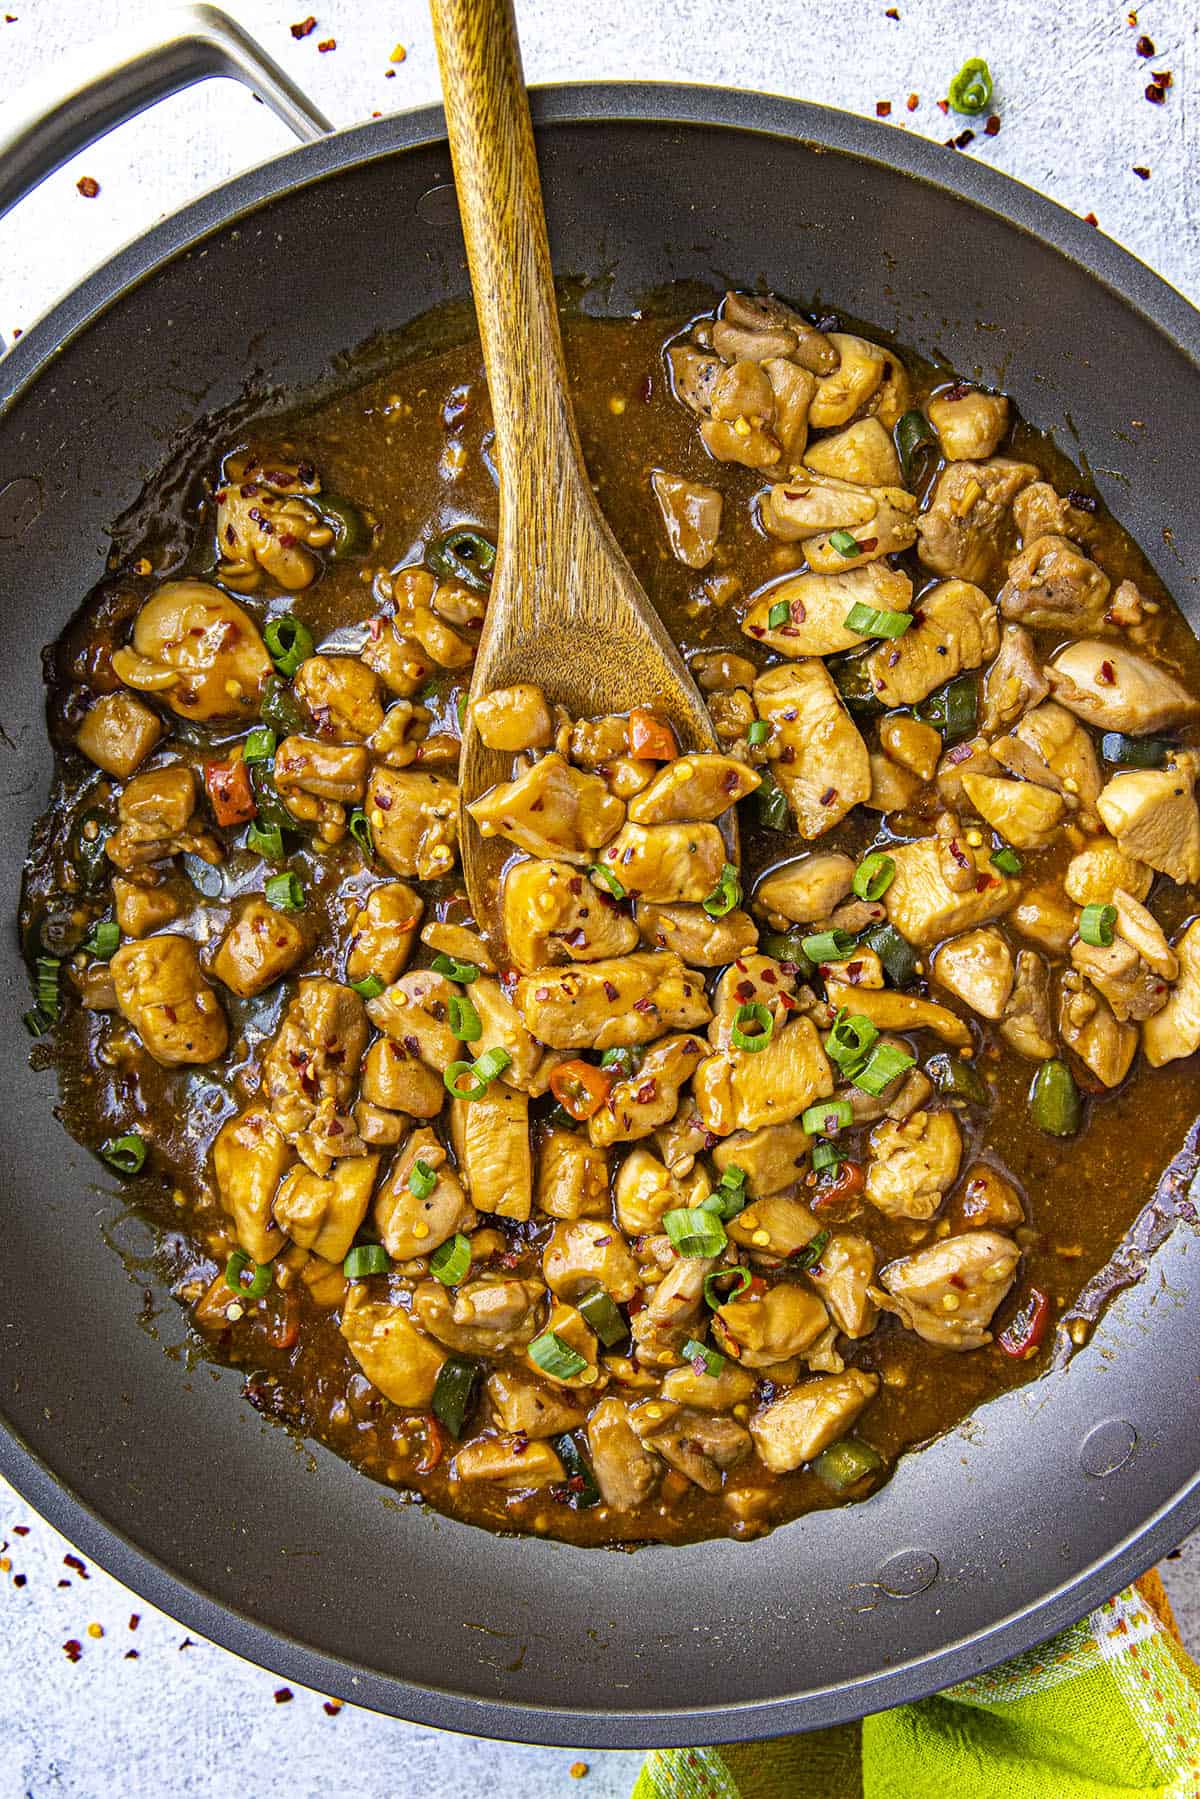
(758, 733)
(883, 1065)
(827, 1117)
(703, 1359)
(464, 1019)
(421, 1179)
(453, 1392)
(826, 1154)
(756, 1014)
(285, 892)
(844, 543)
(103, 940)
(359, 827)
(872, 621)
(450, 1260)
(364, 1259)
(480, 1074)
(830, 946)
(454, 970)
(874, 875)
(260, 745)
(35, 1022)
(850, 1041)
(1097, 925)
(289, 643)
(556, 1358)
(1136, 752)
(725, 895)
(778, 615)
(728, 1197)
(713, 1297)
(811, 1254)
(46, 984)
(695, 1231)
(265, 840)
(913, 434)
(370, 987)
(126, 1154)
(971, 90)
(608, 879)
(1007, 861)
(259, 1282)
(600, 1311)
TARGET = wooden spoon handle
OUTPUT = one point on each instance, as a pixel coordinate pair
(500, 198)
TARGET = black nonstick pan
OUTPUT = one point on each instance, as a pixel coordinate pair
(1047, 1500)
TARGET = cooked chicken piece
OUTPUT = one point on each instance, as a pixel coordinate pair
(626, 1472)
(699, 787)
(265, 525)
(1094, 875)
(551, 809)
(892, 530)
(672, 1313)
(893, 789)
(913, 1165)
(600, 1004)
(863, 453)
(1175, 1031)
(158, 818)
(514, 718)
(758, 314)
(316, 781)
(414, 1011)
(697, 939)
(140, 908)
(967, 529)
(396, 1079)
(924, 908)
(1040, 512)
(1027, 1025)
(691, 516)
(751, 980)
(323, 1212)
(955, 628)
(198, 651)
(250, 1159)
(740, 426)
(806, 889)
(423, 609)
(796, 1428)
(553, 913)
(526, 1407)
(517, 1464)
(161, 990)
(259, 948)
(720, 671)
(864, 969)
(969, 425)
(843, 1277)
(732, 715)
(491, 1144)
(1127, 606)
(1044, 916)
(774, 1227)
(638, 1106)
(572, 1179)
(529, 1066)
(822, 763)
(793, 389)
(1051, 747)
(949, 1292)
(701, 1445)
(692, 1386)
(403, 738)
(394, 1355)
(1025, 815)
(1013, 683)
(841, 393)
(891, 1010)
(740, 1090)
(311, 1068)
(414, 821)
(913, 745)
(587, 1253)
(1089, 1026)
(1052, 586)
(379, 1128)
(694, 373)
(645, 1190)
(412, 1223)
(978, 968)
(1134, 972)
(771, 1158)
(458, 941)
(382, 932)
(809, 507)
(118, 733)
(1112, 688)
(987, 1200)
(485, 1317)
(667, 863)
(761, 1328)
(972, 757)
(342, 697)
(1152, 814)
(593, 742)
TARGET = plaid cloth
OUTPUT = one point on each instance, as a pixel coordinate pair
(1111, 1706)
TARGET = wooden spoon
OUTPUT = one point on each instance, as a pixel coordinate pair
(566, 611)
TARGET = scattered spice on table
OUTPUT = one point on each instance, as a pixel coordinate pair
(993, 125)
(578, 1770)
(72, 1649)
(326, 44)
(1156, 93)
(132, 1655)
(1089, 218)
(398, 54)
(1144, 46)
(88, 186)
(19, 1580)
(95, 1631)
(389, 74)
(892, 12)
(188, 1643)
(284, 1695)
(20, 1530)
(80, 1567)
(135, 1619)
(913, 101)
(305, 27)
(883, 109)
(332, 1707)
(1141, 171)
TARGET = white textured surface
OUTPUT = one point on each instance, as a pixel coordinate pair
(190, 1719)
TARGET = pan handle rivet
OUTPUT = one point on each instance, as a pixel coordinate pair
(1107, 1447)
(907, 1573)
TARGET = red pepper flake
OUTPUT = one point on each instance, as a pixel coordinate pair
(131, 1655)
(883, 109)
(1107, 674)
(88, 186)
(646, 1092)
(1156, 93)
(305, 28)
(1162, 76)
(892, 12)
(326, 44)
(1089, 218)
(829, 796)
(284, 1695)
(135, 1619)
(913, 101)
(1144, 45)
(20, 1530)
(993, 125)
(19, 1580)
(72, 1649)
(1141, 171)
(610, 992)
(943, 106)
(80, 1567)
(332, 1707)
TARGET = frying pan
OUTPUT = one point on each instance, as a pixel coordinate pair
(1042, 1504)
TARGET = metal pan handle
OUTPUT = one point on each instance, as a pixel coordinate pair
(95, 91)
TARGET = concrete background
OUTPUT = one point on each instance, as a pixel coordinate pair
(183, 1717)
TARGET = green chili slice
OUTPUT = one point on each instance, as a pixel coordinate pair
(914, 435)
(453, 1392)
(625, 1060)
(845, 1463)
(874, 875)
(844, 542)
(351, 533)
(755, 1014)
(771, 801)
(582, 1491)
(126, 1154)
(285, 892)
(1136, 752)
(260, 745)
(957, 1079)
(786, 946)
(463, 555)
(278, 708)
(1006, 861)
(359, 827)
(811, 1254)
(953, 709)
(896, 953)
(1055, 1103)
(265, 840)
(599, 1309)
(289, 643)
(971, 90)
(87, 847)
(695, 1231)
(260, 1281)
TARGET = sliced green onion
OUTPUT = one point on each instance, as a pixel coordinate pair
(555, 1357)
(493, 1063)
(103, 940)
(260, 745)
(359, 827)
(957, 1079)
(265, 840)
(830, 946)
(421, 1179)
(126, 1154)
(758, 733)
(771, 801)
(1097, 925)
(364, 1259)
(971, 90)
(826, 1154)
(703, 1359)
(464, 555)
(844, 543)
(607, 879)
(46, 970)
(873, 621)
(464, 1019)
(450, 1260)
(285, 892)
(884, 1064)
(778, 615)
(827, 1117)
(1007, 861)
(289, 643)
(811, 1254)
(454, 970)
(370, 987)
(480, 1074)
(728, 1197)
(260, 1281)
(1136, 752)
(914, 434)
(35, 1022)
(278, 708)
(625, 1059)
(600, 1311)
(756, 1014)
(713, 1298)
(953, 709)
(786, 946)
(695, 1231)
(850, 1041)
(845, 1463)
(453, 1392)
(874, 875)
(896, 953)
(582, 1491)
(1055, 1104)
(725, 895)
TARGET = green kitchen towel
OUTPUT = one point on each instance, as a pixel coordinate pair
(1110, 1706)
